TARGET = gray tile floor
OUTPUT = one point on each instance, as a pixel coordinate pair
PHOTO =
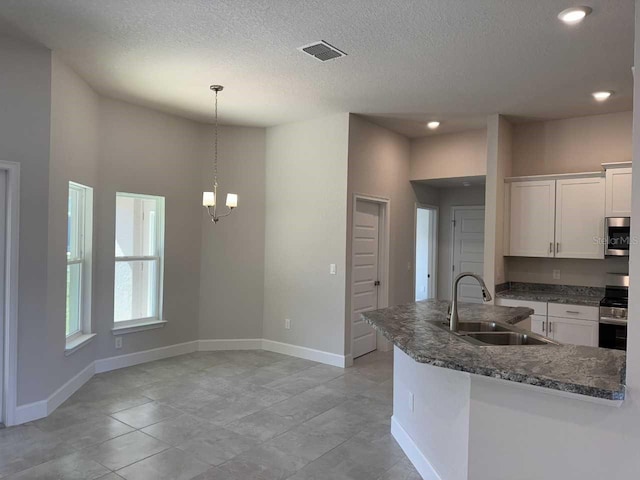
(238, 415)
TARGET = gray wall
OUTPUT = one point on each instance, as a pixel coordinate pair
(571, 145)
(451, 197)
(449, 155)
(25, 99)
(232, 258)
(379, 165)
(306, 219)
(74, 156)
(143, 151)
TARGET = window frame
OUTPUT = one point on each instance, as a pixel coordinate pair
(144, 323)
(84, 258)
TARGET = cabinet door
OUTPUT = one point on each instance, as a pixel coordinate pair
(539, 324)
(580, 218)
(618, 203)
(573, 331)
(532, 218)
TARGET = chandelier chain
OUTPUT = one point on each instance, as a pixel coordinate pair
(215, 154)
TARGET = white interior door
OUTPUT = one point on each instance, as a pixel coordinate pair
(3, 231)
(468, 250)
(364, 277)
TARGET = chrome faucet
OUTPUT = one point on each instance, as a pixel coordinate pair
(453, 313)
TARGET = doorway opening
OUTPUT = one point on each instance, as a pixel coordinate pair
(425, 252)
(369, 270)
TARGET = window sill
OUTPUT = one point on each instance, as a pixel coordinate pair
(77, 343)
(138, 327)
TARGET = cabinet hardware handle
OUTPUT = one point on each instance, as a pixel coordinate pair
(558, 247)
(550, 327)
(550, 247)
(543, 327)
(573, 311)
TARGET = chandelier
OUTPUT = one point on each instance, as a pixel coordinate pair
(210, 199)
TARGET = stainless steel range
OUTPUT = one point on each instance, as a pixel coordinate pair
(614, 312)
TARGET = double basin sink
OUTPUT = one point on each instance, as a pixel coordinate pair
(492, 333)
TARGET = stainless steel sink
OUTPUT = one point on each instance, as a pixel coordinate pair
(481, 327)
(508, 338)
(493, 333)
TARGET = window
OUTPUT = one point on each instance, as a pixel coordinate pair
(139, 259)
(79, 253)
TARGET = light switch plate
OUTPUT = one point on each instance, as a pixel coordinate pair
(333, 270)
(556, 274)
(118, 343)
(287, 323)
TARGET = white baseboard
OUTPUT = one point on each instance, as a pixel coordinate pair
(58, 397)
(412, 452)
(36, 410)
(306, 353)
(229, 344)
(348, 361)
(130, 359)
(30, 412)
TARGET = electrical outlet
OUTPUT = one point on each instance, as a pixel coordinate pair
(411, 402)
(333, 270)
(287, 323)
(118, 342)
(556, 274)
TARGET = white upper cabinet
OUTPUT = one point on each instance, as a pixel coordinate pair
(531, 217)
(618, 196)
(580, 217)
(561, 217)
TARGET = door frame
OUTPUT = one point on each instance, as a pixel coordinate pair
(453, 237)
(10, 350)
(433, 254)
(383, 261)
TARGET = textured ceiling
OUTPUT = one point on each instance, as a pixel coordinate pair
(408, 60)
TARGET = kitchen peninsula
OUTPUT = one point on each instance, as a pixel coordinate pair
(454, 401)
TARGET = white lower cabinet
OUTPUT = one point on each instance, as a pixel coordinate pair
(539, 324)
(570, 324)
(573, 331)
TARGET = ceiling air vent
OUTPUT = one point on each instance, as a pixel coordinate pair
(322, 51)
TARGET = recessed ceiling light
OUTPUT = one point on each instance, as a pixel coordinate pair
(574, 15)
(433, 125)
(602, 96)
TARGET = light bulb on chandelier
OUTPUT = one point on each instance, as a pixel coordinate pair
(209, 198)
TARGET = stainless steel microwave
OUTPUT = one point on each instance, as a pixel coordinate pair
(618, 231)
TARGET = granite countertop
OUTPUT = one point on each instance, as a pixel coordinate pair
(590, 371)
(565, 294)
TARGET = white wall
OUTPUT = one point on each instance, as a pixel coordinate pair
(25, 115)
(451, 197)
(449, 155)
(306, 221)
(379, 166)
(571, 145)
(232, 258)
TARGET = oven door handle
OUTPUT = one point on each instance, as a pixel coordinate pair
(613, 321)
